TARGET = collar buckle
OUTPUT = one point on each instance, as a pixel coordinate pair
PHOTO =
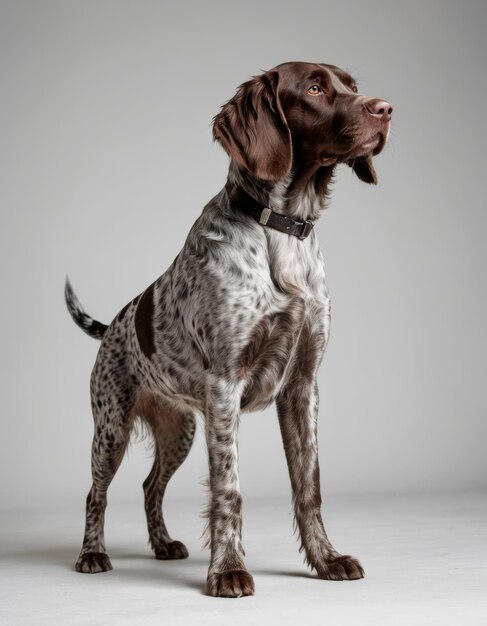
(307, 228)
(264, 216)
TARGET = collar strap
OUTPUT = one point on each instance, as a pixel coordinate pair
(266, 216)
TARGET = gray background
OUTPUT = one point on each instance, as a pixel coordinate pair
(106, 161)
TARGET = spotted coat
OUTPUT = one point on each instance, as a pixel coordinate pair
(240, 319)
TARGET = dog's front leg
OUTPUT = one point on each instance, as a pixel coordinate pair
(297, 406)
(227, 575)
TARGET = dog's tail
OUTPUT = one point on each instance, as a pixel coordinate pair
(85, 322)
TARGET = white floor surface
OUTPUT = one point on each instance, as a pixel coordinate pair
(424, 558)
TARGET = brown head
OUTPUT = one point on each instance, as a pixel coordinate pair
(302, 115)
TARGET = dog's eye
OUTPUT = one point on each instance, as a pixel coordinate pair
(315, 90)
(354, 88)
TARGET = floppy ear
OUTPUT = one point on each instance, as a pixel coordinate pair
(252, 129)
(363, 167)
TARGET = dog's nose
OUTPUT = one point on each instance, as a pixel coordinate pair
(379, 108)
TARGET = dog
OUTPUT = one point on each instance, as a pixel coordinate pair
(240, 319)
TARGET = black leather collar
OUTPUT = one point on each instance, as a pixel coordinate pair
(267, 217)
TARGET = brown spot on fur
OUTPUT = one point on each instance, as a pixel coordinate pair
(144, 318)
(264, 358)
(307, 353)
(158, 414)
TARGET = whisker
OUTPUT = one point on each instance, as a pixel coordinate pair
(340, 132)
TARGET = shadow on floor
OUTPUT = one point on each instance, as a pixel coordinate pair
(139, 568)
(143, 568)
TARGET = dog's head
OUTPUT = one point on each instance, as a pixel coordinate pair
(301, 114)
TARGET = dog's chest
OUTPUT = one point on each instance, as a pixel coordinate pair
(295, 311)
(295, 266)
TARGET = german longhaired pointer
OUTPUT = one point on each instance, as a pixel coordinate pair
(239, 320)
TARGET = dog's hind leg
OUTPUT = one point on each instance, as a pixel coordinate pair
(112, 401)
(173, 432)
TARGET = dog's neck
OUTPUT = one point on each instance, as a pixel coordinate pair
(302, 194)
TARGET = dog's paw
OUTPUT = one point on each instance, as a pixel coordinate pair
(231, 584)
(171, 550)
(93, 562)
(342, 567)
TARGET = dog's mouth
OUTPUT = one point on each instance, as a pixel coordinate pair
(370, 147)
(355, 147)
(374, 145)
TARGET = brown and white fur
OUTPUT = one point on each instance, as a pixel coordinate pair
(239, 320)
